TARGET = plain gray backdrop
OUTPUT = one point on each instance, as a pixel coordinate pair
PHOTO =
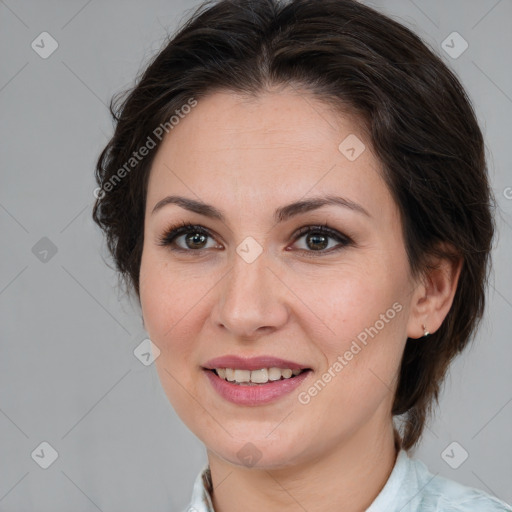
(69, 374)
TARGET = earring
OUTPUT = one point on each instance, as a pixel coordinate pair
(425, 332)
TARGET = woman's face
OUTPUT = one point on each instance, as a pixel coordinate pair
(337, 304)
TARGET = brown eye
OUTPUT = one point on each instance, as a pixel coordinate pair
(317, 240)
(194, 238)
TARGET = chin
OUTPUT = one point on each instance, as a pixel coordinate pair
(257, 452)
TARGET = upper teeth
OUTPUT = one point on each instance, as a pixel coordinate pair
(255, 376)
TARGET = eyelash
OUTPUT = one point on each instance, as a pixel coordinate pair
(173, 231)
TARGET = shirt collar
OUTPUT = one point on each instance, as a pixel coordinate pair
(202, 491)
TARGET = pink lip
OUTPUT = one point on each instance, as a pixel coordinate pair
(259, 394)
(251, 363)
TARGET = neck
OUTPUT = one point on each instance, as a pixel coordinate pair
(348, 477)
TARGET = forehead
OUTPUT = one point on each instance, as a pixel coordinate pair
(228, 120)
(273, 148)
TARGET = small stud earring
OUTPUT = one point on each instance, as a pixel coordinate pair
(425, 332)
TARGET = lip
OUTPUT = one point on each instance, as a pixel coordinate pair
(252, 363)
(259, 394)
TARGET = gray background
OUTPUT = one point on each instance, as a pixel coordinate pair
(69, 375)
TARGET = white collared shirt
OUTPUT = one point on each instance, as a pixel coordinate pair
(410, 488)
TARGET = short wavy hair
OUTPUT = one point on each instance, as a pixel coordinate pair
(414, 110)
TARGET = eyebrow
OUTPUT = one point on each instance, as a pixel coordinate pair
(280, 215)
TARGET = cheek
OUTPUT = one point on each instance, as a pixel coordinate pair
(165, 306)
(153, 296)
(174, 307)
(350, 299)
(163, 297)
(364, 315)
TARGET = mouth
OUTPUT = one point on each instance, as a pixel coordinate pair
(259, 377)
(252, 381)
(256, 387)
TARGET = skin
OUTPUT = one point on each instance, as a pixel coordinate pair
(247, 157)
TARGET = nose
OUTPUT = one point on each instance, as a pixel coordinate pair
(252, 301)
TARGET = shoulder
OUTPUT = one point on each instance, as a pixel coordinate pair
(440, 494)
(411, 487)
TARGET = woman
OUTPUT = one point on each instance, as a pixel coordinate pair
(297, 193)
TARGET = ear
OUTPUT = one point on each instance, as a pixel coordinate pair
(433, 294)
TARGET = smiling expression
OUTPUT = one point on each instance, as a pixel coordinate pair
(246, 281)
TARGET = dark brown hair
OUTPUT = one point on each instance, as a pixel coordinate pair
(420, 122)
